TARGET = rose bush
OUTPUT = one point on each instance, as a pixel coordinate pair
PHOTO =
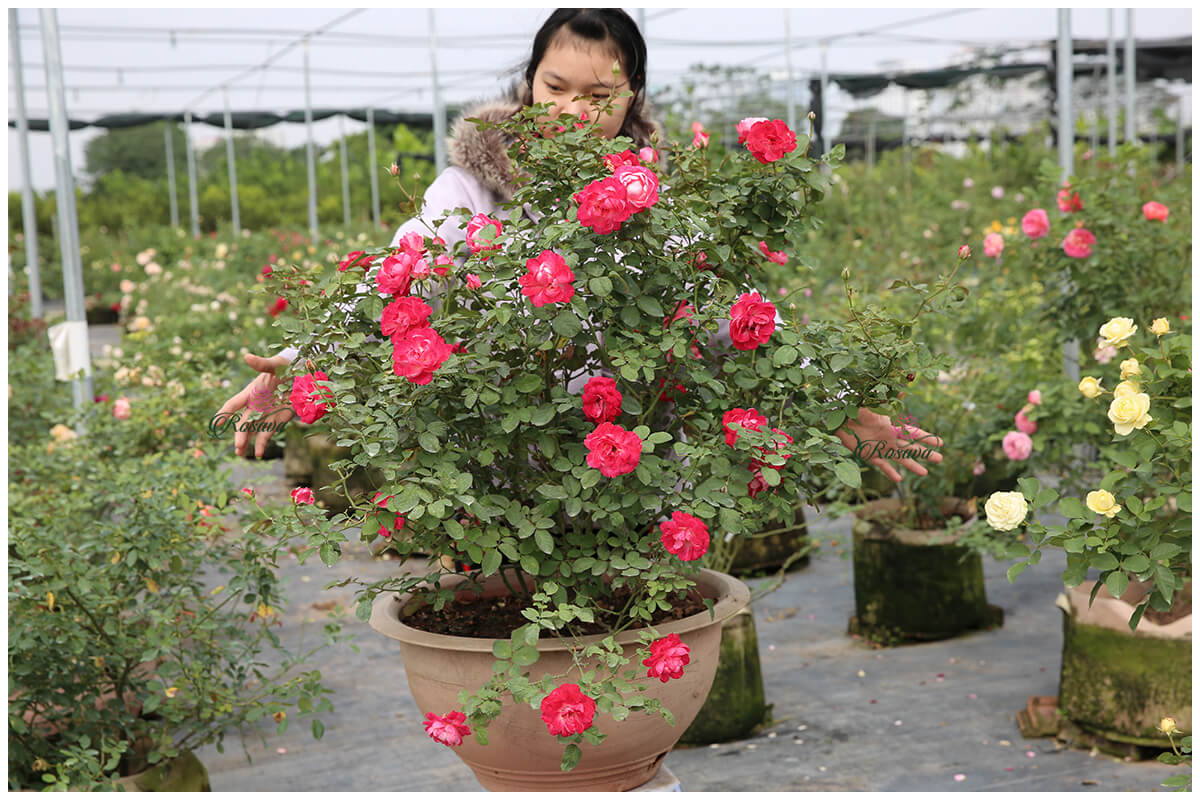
(543, 438)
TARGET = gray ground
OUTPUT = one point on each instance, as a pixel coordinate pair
(846, 716)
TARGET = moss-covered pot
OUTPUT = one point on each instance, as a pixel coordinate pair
(759, 553)
(915, 584)
(1117, 683)
(184, 773)
(736, 703)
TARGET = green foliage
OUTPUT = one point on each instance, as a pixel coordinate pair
(139, 151)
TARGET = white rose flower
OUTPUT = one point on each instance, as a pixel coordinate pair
(1006, 510)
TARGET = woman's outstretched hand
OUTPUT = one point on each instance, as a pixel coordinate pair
(260, 395)
(875, 438)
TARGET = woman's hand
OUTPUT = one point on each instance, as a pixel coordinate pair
(258, 396)
(873, 436)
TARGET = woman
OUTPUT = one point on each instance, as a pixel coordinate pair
(571, 68)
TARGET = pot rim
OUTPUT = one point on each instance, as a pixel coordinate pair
(731, 596)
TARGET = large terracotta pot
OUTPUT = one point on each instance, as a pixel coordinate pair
(522, 755)
(915, 584)
(1119, 684)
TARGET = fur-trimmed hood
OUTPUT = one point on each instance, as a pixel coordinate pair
(484, 153)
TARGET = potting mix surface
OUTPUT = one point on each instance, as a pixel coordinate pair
(845, 715)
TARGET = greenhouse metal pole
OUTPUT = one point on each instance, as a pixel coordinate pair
(1179, 134)
(1066, 151)
(826, 131)
(1094, 142)
(76, 333)
(1110, 56)
(174, 201)
(308, 150)
(193, 203)
(1130, 78)
(439, 111)
(871, 143)
(28, 209)
(233, 197)
(1066, 116)
(373, 167)
(345, 173)
(787, 49)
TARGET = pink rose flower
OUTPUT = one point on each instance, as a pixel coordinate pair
(397, 526)
(778, 256)
(684, 536)
(548, 280)
(751, 321)
(1035, 223)
(1068, 202)
(978, 469)
(1025, 424)
(473, 281)
(482, 232)
(757, 484)
(668, 656)
(442, 265)
(395, 274)
(997, 192)
(418, 354)
(616, 160)
(603, 205)
(403, 314)
(743, 127)
(648, 155)
(1035, 397)
(770, 141)
(303, 496)
(1017, 446)
(356, 259)
(568, 711)
(613, 450)
(449, 730)
(278, 306)
(1104, 353)
(964, 252)
(736, 420)
(601, 400)
(993, 245)
(1156, 212)
(309, 401)
(1078, 243)
(122, 409)
(641, 186)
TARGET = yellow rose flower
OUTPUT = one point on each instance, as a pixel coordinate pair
(1117, 331)
(1006, 510)
(1167, 726)
(1126, 389)
(1130, 367)
(1129, 412)
(1090, 387)
(1102, 502)
(62, 433)
(1160, 327)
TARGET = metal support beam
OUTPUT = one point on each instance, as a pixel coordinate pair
(439, 110)
(345, 172)
(1130, 79)
(308, 150)
(174, 201)
(1110, 59)
(193, 203)
(826, 130)
(373, 167)
(1064, 62)
(233, 195)
(787, 50)
(68, 225)
(28, 208)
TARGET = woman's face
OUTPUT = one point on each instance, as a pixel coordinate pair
(574, 68)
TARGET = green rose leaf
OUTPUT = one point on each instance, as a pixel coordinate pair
(848, 473)
(1117, 583)
(566, 324)
(570, 757)
(1071, 508)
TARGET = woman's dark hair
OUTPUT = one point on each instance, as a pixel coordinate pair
(600, 25)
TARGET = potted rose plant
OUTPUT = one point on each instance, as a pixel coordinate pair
(1127, 634)
(564, 407)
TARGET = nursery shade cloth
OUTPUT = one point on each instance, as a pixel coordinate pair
(245, 120)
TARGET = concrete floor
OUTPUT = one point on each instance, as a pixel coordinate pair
(846, 716)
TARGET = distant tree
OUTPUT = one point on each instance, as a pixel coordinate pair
(140, 151)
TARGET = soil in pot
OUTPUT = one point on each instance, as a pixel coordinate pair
(914, 584)
(1116, 684)
(736, 704)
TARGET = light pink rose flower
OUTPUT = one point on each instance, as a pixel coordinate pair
(978, 469)
(993, 245)
(743, 127)
(1104, 353)
(1036, 223)
(1024, 423)
(648, 154)
(1017, 445)
(641, 186)
(997, 192)
(1078, 243)
(1035, 397)
(122, 409)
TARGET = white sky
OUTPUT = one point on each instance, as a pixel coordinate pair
(474, 47)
